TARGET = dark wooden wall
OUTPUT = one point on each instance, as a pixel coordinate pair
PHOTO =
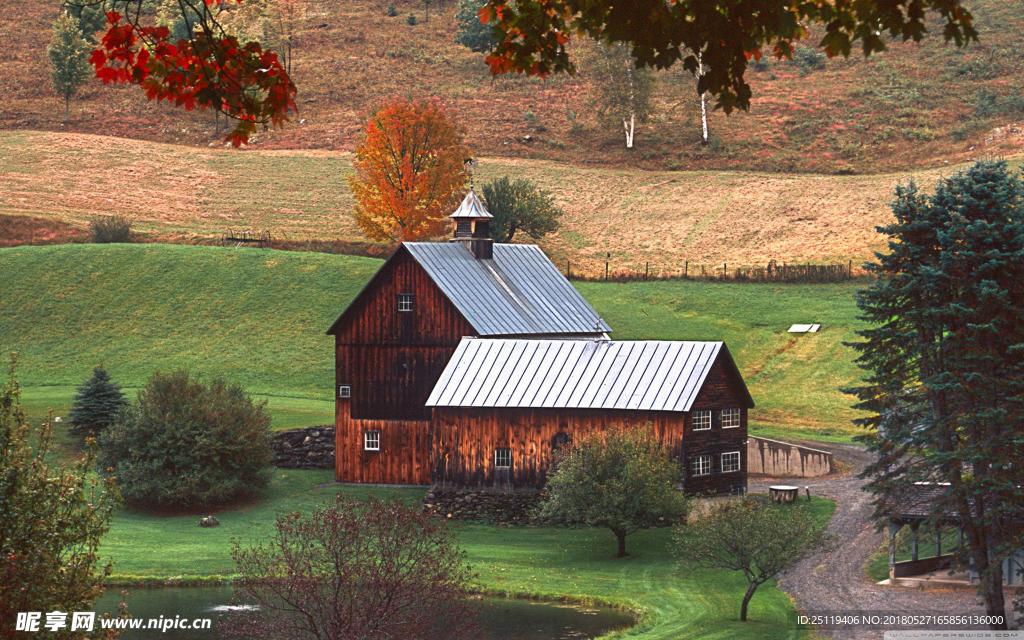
(404, 456)
(464, 439)
(722, 389)
(392, 360)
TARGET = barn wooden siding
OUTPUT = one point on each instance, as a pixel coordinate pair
(464, 439)
(392, 360)
(404, 450)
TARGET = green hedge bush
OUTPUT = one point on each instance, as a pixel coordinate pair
(187, 445)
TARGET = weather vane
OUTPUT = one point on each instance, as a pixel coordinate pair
(469, 164)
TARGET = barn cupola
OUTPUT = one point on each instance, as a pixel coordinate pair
(472, 227)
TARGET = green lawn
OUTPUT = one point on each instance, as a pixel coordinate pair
(258, 318)
(539, 562)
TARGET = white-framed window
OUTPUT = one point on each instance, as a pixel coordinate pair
(502, 458)
(344, 391)
(371, 440)
(405, 302)
(730, 461)
(701, 420)
(700, 465)
(730, 418)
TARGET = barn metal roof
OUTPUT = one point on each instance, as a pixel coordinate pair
(576, 374)
(518, 292)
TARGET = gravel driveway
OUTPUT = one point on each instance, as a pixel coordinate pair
(835, 581)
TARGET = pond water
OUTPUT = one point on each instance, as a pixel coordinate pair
(500, 618)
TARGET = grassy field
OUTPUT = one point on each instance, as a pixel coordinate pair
(545, 563)
(258, 318)
(55, 182)
(914, 105)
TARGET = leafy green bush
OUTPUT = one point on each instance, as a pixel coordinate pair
(52, 517)
(185, 444)
(808, 58)
(96, 404)
(114, 228)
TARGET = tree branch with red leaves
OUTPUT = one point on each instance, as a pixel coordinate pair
(209, 70)
(533, 35)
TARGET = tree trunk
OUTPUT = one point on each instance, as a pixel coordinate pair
(703, 104)
(621, 535)
(751, 587)
(67, 102)
(628, 126)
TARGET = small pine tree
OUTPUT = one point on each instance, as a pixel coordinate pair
(96, 403)
(476, 35)
(69, 56)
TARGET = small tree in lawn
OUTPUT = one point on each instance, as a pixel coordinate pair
(520, 206)
(753, 536)
(186, 444)
(96, 403)
(473, 33)
(622, 479)
(69, 53)
(377, 570)
(51, 522)
(408, 170)
(623, 92)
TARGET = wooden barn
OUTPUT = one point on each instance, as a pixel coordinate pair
(468, 364)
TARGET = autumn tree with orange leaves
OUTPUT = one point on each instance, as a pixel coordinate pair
(408, 170)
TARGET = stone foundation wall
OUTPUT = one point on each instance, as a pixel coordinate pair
(775, 458)
(482, 506)
(308, 448)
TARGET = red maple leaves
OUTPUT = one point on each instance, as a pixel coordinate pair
(244, 81)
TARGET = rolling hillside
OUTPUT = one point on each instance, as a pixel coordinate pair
(53, 183)
(916, 105)
(258, 318)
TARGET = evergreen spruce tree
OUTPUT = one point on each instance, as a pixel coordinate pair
(69, 56)
(96, 403)
(945, 361)
(477, 36)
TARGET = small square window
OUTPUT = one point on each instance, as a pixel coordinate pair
(405, 302)
(371, 440)
(701, 420)
(502, 458)
(700, 465)
(730, 418)
(730, 461)
(344, 391)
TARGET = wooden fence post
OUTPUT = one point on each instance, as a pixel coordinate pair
(686, 270)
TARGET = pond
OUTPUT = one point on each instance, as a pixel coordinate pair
(501, 619)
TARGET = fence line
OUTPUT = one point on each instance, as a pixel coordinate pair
(771, 272)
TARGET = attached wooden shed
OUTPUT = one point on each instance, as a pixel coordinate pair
(503, 407)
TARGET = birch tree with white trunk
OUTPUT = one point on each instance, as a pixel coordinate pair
(622, 91)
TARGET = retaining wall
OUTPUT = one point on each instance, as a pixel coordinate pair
(308, 448)
(776, 458)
